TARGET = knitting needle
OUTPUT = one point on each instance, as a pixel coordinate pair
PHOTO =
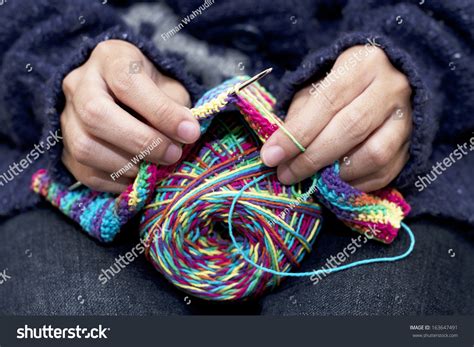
(74, 186)
(252, 80)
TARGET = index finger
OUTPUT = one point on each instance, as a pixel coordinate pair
(139, 92)
(323, 100)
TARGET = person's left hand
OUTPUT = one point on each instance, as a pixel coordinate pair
(360, 114)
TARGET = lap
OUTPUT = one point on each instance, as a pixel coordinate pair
(436, 279)
(54, 269)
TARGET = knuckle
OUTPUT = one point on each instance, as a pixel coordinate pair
(356, 124)
(401, 84)
(95, 107)
(378, 154)
(348, 52)
(102, 48)
(301, 133)
(377, 54)
(164, 110)
(122, 80)
(308, 162)
(110, 47)
(330, 100)
(81, 149)
(68, 83)
(106, 48)
(93, 112)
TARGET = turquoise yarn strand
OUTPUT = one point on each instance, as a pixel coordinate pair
(317, 272)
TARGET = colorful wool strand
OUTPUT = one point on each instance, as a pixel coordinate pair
(185, 207)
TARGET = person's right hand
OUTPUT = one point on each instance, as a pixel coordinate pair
(117, 105)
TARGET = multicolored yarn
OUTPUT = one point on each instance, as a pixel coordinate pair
(186, 207)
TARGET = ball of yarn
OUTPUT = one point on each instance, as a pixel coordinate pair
(185, 224)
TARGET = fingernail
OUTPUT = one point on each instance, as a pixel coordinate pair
(286, 176)
(188, 131)
(172, 154)
(273, 155)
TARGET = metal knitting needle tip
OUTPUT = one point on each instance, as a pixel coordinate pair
(253, 79)
(74, 186)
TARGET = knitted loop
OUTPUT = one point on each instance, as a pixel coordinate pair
(185, 207)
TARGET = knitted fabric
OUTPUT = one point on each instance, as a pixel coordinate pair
(184, 207)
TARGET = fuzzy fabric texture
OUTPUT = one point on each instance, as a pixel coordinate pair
(41, 41)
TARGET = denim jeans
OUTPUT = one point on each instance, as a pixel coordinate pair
(49, 267)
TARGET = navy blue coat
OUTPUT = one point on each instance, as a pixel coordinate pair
(41, 41)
